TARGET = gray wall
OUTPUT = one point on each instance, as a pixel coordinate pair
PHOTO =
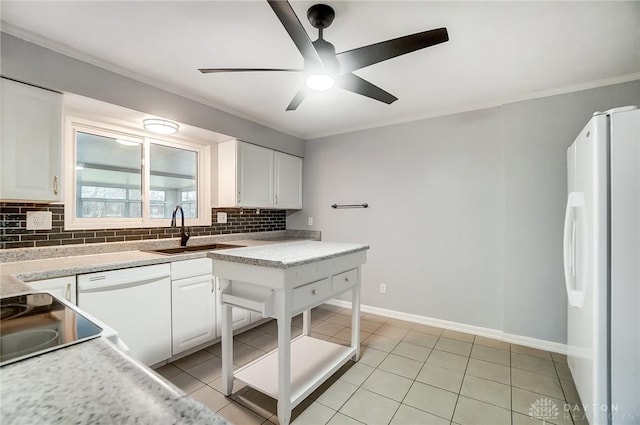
(465, 216)
(33, 64)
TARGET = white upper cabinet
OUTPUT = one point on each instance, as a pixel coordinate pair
(288, 181)
(31, 143)
(257, 177)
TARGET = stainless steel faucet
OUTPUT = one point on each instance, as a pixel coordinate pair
(184, 235)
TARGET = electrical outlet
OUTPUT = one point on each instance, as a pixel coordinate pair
(383, 288)
(221, 217)
(310, 221)
(38, 220)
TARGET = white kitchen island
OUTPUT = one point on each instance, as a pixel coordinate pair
(281, 281)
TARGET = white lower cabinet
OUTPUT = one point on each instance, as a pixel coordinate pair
(193, 304)
(61, 287)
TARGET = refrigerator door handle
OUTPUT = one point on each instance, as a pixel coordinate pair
(574, 221)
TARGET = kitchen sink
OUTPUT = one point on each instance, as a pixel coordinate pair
(193, 248)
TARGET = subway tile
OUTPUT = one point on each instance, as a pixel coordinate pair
(48, 243)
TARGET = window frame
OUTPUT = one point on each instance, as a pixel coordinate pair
(74, 124)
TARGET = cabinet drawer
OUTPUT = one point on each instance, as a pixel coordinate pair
(310, 294)
(189, 268)
(345, 280)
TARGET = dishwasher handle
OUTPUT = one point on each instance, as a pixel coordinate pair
(113, 285)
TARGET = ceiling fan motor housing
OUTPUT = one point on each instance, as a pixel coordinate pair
(320, 15)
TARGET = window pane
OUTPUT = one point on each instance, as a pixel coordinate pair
(108, 177)
(173, 173)
(157, 195)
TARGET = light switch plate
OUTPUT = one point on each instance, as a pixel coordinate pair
(221, 217)
(38, 220)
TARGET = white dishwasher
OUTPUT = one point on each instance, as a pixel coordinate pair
(136, 302)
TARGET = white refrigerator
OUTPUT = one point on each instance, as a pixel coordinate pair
(602, 266)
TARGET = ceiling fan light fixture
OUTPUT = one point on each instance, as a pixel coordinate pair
(160, 126)
(320, 82)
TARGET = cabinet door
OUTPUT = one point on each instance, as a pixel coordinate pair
(193, 308)
(61, 287)
(240, 317)
(31, 143)
(255, 176)
(288, 181)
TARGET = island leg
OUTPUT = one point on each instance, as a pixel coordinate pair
(227, 349)
(355, 320)
(284, 368)
(306, 322)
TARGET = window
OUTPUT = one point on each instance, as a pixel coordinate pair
(111, 187)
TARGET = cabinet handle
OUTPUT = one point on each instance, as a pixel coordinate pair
(238, 196)
(212, 286)
(346, 279)
(314, 292)
(55, 185)
(68, 295)
(276, 199)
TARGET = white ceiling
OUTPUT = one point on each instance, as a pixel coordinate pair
(498, 52)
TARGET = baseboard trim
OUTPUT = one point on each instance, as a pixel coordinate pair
(541, 344)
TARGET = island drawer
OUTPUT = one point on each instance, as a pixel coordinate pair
(311, 294)
(249, 297)
(345, 280)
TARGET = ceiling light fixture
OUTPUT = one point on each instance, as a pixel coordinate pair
(160, 126)
(320, 82)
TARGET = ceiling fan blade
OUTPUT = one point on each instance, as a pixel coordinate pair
(360, 86)
(216, 70)
(291, 23)
(374, 53)
(297, 99)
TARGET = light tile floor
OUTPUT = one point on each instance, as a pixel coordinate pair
(408, 374)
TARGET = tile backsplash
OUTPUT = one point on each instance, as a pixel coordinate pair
(14, 233)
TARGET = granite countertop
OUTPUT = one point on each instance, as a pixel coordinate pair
(92, 258)
(93, 383)
(287, 255)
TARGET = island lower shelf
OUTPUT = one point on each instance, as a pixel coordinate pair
(312, 362)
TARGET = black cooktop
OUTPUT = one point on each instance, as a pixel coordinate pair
(36, 323)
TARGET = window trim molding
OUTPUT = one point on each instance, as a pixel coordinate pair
(73, 124)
